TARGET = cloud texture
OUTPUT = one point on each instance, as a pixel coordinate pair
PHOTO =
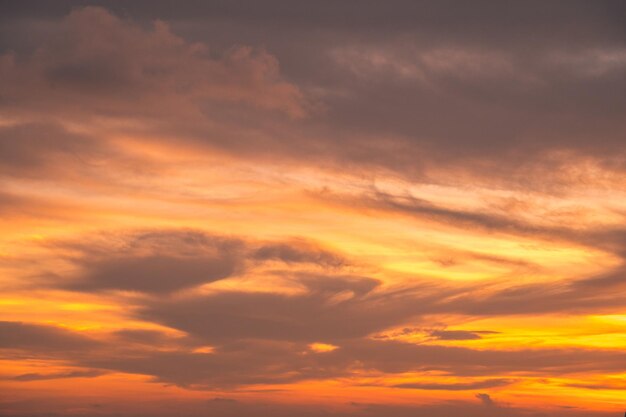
(316, 209)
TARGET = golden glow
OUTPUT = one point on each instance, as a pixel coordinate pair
(392, 247)
(131, 261)
(322, 347)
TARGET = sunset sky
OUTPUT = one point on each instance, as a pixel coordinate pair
(313, 208)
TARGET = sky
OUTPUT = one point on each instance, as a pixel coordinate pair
(317, 209)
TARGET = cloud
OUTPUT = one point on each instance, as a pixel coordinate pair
(268, 333)
(156, 262)
(489, 383)
(235, 408)
(116, 115)
(330, 306)
(42, 339)
(100, 65)
(609, 238)
(158, 273)
(399, 357)
(143, 337)
(485, 399)
(165, 261)
(573, 296)
(455, 335)
(329, 293)
(330, 309)
(241, 358)
(298, 252)
(422, 101)
(243, 361)
(57, 375)
(32, 148)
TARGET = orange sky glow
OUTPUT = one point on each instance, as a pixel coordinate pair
(221, 211)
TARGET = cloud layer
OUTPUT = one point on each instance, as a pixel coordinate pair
(315, 209)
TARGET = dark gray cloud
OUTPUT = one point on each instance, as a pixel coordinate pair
(144, 337)
(598, 385)
(485, 399)
(234, 365)
(240, 362)
(100, 65)
(162, 261)
(57, 375)
(157, 273)
(459, 84)
(613, 279)
(331, 308)
(29, 149)
(332, 303)
(263, 337)
(481, 20)
(488, 383)
(398, 357)
(42, 338)
(456, 335)
(299, 252)
(239, 358)
(154, 262)
(406, 88)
